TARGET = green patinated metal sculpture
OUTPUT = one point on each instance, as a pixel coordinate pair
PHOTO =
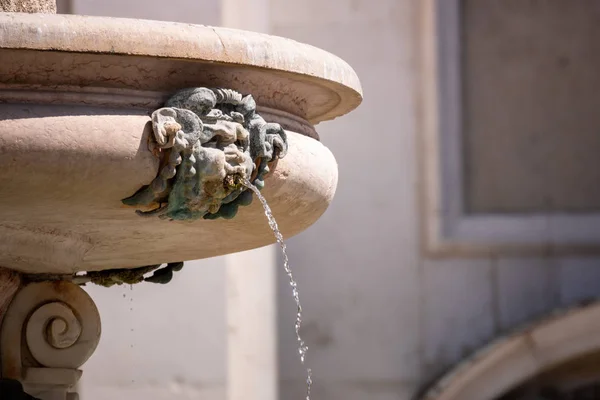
(209, 142)
(121, 276)
(132, 276)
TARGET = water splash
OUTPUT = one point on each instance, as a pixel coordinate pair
(302, 348)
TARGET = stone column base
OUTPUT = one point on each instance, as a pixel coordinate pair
(49, 329)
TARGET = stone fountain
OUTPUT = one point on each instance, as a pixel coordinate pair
(128, 144)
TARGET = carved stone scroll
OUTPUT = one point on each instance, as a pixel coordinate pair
(48, 332)
(209, 142)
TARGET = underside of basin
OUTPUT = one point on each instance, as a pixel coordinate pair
(76, 95)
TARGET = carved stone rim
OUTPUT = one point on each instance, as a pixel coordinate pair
(127, 98)
(297, 61)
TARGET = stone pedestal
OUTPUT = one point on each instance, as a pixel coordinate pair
(49, 329)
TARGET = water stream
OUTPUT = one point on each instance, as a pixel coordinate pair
(302, 348)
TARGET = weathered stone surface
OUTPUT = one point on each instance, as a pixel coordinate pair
(28, 6)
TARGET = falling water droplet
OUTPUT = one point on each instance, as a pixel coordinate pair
(302, 348)
(131, 328)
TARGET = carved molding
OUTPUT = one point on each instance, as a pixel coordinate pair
(50, 329)
(209, 141)
(130, 99)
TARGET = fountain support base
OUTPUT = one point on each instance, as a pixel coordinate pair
(48, 330)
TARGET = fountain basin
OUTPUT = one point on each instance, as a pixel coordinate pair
(76, 94)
